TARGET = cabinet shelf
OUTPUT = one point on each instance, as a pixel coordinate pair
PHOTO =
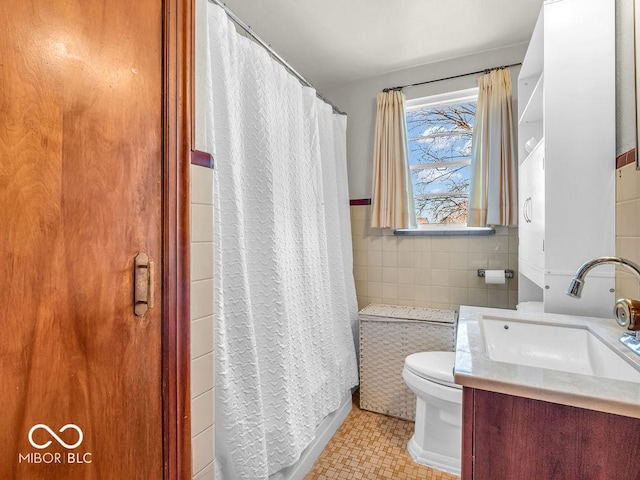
(533, 272)
(532, 112)
(540, 144)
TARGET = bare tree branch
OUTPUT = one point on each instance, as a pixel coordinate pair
(439, 135)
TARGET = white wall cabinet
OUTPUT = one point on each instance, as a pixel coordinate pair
(566, 98)
(531, 211)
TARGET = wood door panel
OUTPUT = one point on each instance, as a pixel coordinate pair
(80, 195)
(518, 438)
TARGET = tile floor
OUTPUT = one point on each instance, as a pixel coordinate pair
(371, 446)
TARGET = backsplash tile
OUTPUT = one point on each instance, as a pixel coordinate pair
(627, 228)
(436, 272)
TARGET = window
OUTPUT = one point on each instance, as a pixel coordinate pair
(439, 132)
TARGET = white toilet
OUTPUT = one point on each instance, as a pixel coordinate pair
(437, 439)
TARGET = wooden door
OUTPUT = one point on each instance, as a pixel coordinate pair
(80, 194)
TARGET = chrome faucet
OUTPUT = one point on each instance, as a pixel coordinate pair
(577, 283)
(625, 310)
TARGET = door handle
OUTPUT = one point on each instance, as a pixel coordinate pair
(143, 283)
(528, 209)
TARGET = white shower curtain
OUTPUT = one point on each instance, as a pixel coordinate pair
(285, 299)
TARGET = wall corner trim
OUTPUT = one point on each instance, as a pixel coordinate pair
(360, 201)
(176, 356)
(203, 159)
(626, 158)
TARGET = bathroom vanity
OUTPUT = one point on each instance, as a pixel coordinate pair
(546, 396)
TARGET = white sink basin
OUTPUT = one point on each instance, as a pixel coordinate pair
(564, 348)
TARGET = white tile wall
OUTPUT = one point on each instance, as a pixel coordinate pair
(206, 473)
(202, 340)
(201, 375)
(438, 272)
(201, 220)
(202, 445)
(201, 261)
(202, 359)
(201, 335)
(202, 413)
(201, 297)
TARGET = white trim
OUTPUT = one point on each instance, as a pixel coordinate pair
(460, 96)
(452, 226)
(425, 103)
(454, 163)
(444, 229)
(441, 195)
(448, 133)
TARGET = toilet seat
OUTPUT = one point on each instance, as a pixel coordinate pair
(433, 366)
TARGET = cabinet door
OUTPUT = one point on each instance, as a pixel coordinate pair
(516, 438)
(80, 195)
(580, 138)
(525, 190)
(532, 216)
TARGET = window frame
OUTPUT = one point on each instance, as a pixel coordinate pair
(423, 103)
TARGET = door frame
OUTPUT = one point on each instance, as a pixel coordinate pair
(177, 39)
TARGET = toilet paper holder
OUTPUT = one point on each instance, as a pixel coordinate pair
(507, 273)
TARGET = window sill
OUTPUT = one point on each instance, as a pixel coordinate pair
(445, 231)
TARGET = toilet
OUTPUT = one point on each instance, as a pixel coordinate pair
(437, 439)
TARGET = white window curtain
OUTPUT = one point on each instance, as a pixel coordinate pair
(493, 183)
(285, 301)
(392, 195)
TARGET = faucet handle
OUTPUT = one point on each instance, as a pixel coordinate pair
(635, 335)
(627, 313)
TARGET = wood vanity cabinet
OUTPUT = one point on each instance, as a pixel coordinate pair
(514, 438)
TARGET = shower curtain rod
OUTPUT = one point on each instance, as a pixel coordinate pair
(273, 53)
(486, 70)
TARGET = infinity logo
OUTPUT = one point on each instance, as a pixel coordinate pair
(58, 439)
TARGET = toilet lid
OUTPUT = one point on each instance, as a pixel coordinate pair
(434, 366)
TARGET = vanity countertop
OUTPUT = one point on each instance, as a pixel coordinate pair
(474, 368)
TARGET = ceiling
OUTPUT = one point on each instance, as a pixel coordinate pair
(331, 42)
